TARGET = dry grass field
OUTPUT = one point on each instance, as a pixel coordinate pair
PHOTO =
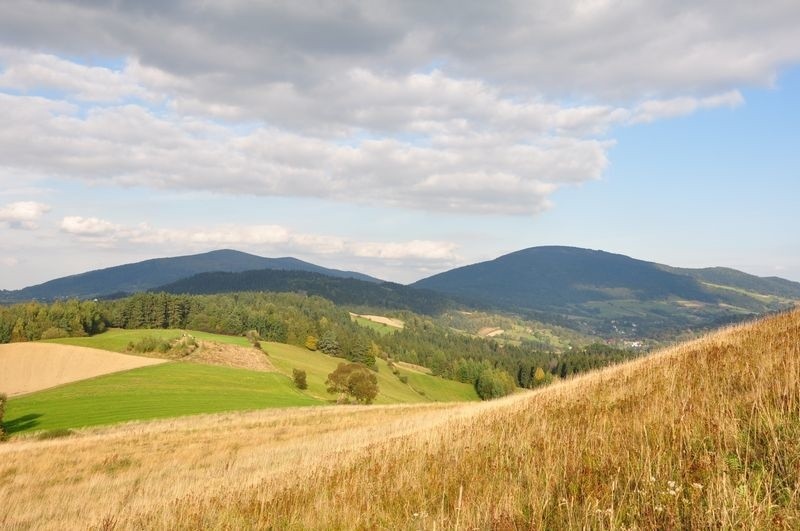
(703, 435)
(29, 367)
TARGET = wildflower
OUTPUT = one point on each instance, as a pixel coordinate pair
(697, 486)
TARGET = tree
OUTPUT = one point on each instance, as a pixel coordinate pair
(353, 380)
(328, 344)
(539, 377)
(311, 343)
(299, 378)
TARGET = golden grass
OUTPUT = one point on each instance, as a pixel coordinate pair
(703, 435)
(29, 367)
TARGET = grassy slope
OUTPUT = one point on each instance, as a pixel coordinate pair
(381, 328)
(702, 436)
(160, 391)
(117, 339)
(705, 435)
(186, 388)
(421, 387)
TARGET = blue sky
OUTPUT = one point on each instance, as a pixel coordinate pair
(396, 140)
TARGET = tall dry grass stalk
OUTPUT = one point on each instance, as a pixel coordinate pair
(703, 435)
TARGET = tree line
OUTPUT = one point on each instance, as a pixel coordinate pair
(314, 323)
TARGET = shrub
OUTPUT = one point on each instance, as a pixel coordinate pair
(54, 434)
(54, 333)
(150, 344)
(299, 378)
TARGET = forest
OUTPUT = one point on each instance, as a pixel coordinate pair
(314, 323)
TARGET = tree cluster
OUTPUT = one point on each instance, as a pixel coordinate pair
(353, 381)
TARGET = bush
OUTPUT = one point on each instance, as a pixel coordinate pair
(494, 383)
(54, 333)
(54, 434)
(299, 378)
(150, 344)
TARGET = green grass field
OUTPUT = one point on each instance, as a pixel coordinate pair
(381, 328)
(176, 389)
(169, 390)
(421, 387)
(117, 339)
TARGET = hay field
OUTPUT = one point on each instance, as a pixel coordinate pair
(29, 367)
(702, 435)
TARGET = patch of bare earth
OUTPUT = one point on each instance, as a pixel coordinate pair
(388, 321)
(29, 367)
(490, 331)
(212, 353)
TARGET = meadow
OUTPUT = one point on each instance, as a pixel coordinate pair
(179, 388)
(702, 435)
(160, 391)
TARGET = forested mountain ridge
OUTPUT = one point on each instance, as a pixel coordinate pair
(607, 293)
(351, 292)
(142, 276)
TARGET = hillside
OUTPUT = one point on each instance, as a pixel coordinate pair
(608, 294)
(343, 291)
(142, 276)
(705, 435)
(191, 385)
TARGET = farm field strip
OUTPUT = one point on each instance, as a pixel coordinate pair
(30, 367)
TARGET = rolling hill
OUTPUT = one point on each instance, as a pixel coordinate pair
(345, 291)
(92, 394)
(142, 276)
(704, 435)
(609, 293)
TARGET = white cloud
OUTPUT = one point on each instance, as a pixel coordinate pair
(271, 238)
(415, 249)
(468, 107)
(23, 214)
(652, 110)
(9, 261)
(89, 227)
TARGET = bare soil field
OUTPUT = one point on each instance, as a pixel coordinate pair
(490, 331)
(388, 321)
(29, 367)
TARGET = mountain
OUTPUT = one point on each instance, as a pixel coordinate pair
(606, 293)
(142, 276)
(345, 291)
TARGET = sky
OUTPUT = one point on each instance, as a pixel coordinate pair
(399, 139)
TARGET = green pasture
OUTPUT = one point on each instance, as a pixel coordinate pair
(176, 389)
(160, 391)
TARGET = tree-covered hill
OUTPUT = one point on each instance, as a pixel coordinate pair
(345, 291)
(607, 294)
(142, 276)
